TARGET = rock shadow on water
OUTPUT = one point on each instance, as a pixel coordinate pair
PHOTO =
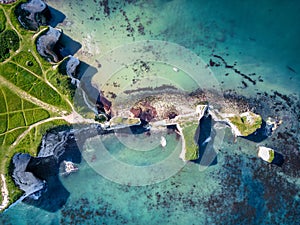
(67, 46)
(85, 73)
(48, 168)
(260, 134)
(207, 154)
(56, 17)
(93, 93)
(278, 159)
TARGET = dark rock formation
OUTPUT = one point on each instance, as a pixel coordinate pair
(72, 64)
(34, 174)
(144, 111)
(69, 67)
(33, 14)
(46, 43)
(103, 105)
(25, 180)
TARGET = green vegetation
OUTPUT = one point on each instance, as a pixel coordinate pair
(115, 121)
(35, 115)
(31, 84)
(247, 123)
(9, 41)
(20, 113)
(62, 83)
(101, 118)
(16, 120)
(26, 60)
(11, 136)
(32, 93)
(32, 139)
(272, 155)
(2, 20)
(189, 131)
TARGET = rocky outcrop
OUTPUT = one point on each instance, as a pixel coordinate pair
(71, 67)
(46, 44)
(270, 155)
(190, 143)
(25, 180)
(103, 106)
(122, 122)
(245, 123)
(30, 174)
(53, 144)
(144, 111)
(33, 14)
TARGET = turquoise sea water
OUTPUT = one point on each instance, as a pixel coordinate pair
(259, 39)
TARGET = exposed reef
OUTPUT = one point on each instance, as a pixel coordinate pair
(33, 14)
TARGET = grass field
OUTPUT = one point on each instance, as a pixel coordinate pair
(192, 149)
(27, 60)
(31, 84)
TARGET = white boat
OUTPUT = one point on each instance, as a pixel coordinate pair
(163, 141)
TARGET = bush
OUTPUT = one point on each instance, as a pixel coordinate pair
(9, 41)
(2, 21)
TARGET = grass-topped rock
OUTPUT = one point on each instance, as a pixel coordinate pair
(245, 123)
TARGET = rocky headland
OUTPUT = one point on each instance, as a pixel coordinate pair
(33, 14)
(31, 174)
(187, 110)
(46, 43)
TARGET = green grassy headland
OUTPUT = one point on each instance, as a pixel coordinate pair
(34, 95)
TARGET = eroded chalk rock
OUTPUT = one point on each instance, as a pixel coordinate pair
(46, 43)
(33, 14)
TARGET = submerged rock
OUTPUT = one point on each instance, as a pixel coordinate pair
(46, 43)
(33, 14)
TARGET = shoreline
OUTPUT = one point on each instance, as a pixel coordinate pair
(4, 193)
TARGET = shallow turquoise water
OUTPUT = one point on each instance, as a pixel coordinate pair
(262, 38)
